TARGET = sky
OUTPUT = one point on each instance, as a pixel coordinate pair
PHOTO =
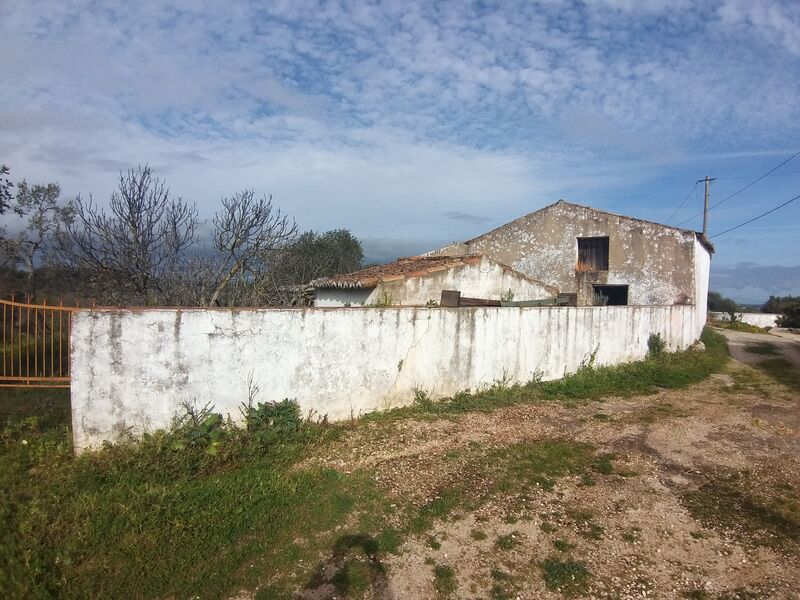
(415, 124)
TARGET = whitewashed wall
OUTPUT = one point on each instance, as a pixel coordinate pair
(132, 368)
(757, 319)
(485, 279)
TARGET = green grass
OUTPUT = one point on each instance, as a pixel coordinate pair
(781, 370)
(562, 546)
(477, 535)
(50, 406)
(145, 520)
(567, 576)
(444, 580)
(508, 541)
(762, 348)
(669, 370)
(757, 515)
(740, 326)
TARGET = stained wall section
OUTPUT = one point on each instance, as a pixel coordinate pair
(131, 369)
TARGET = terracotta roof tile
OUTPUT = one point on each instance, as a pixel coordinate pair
(403, 268)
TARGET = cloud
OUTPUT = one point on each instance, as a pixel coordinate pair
(409, 120)
(749, 282)
(457, 215)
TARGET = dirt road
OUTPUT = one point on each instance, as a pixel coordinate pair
(785, 342)
(682, 494)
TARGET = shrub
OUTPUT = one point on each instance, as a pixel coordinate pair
(790, 317)
(655, 345)
(272, 422)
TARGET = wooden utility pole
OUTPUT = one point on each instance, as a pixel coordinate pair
(708, 181)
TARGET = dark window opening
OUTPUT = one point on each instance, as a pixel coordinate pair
(610, 295)
(592, 254)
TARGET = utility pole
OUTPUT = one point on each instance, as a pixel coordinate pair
(708, 181)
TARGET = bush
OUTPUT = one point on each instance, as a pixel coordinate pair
(655, 345)
(790, 317)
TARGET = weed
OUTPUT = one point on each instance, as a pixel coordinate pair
(601, 417)
(503, 587)
(631, 536)
(521, 465)
(670, 370)
(477, 535)
(603, 464)
(433, 543)
(562, 546)
(508, 541)
(566, 576)
(696, 594)
(655, 345)
(444, 580)
(389, 540)
(547, 527)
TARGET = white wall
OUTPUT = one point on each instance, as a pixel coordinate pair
(132, 368)
(757, 319)
(702, 274)
(485, 279)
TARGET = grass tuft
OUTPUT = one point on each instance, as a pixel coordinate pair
(567, 576)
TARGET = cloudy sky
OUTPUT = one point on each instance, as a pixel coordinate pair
(415, 124)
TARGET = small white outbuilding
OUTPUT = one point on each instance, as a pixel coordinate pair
(420, 280)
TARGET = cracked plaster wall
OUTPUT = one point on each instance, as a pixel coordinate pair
(131, 369)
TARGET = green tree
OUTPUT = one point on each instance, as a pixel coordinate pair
(6, 194)
(777, 304)
(718, 303)
(790, 315)
(44, 217)
(311, 256)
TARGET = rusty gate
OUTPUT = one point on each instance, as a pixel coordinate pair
(35, 344)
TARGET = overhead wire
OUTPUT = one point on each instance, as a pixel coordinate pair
(739, 191)
(756, 218)
(674, 212)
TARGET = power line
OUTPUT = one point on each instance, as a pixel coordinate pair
(674, 212)
(739, 191)
(756, 218)
(751, 176)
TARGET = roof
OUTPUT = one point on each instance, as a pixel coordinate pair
(699, 235)
(403, 268)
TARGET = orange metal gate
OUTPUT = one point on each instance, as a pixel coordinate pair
(35, 345)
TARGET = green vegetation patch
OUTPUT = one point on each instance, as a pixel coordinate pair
(667, 370)
(567, 576)
(444, 580)
(781, 370)
(520, 466)
(762, 348)
(756, 515)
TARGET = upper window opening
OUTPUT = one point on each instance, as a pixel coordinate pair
(592, 254)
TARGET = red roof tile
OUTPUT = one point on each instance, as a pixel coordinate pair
(403, 268)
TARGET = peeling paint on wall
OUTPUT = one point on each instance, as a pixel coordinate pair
(656, 262)
(131, 369)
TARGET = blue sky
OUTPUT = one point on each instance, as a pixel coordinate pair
(415, 124)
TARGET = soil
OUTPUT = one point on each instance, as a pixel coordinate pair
(702, 501)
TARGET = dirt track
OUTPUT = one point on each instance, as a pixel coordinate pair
(702, 501)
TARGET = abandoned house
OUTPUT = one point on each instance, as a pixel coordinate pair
(602, 257)
(419, 280)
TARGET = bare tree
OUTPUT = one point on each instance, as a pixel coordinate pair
(247, 232)
(130, 253)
